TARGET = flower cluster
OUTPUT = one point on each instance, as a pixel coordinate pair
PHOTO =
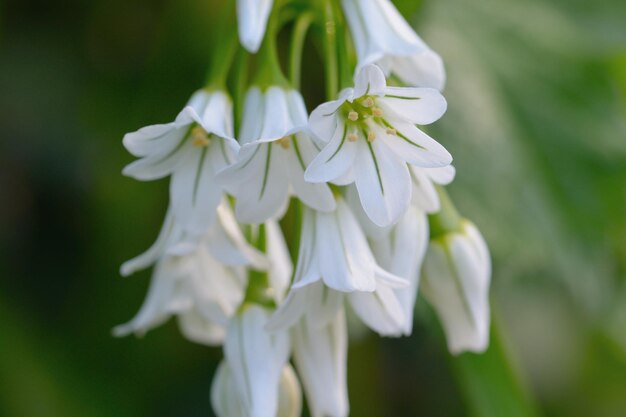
(361, 182)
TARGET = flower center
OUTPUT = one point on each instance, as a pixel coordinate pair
(199, 137)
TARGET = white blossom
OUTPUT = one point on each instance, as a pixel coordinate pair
(256, 359)
(383, 37)
(320, 354)
(224, 240)
(456, 276)
(191, 150)
(252, 16)
(195, 287)
(275, 152)
(369, 136)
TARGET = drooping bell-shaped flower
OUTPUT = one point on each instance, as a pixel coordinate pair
(224, 240)
(334, 249)
(195, 287)
(320, 353)
(455, 281)
(227, 403)
(382, 36)
(252, 17)
(191, 150)
(401, 252)
(274, 155)
(256, 359)
(335, 263)
(370, 135)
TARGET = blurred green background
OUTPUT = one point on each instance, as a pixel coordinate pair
(537, 125)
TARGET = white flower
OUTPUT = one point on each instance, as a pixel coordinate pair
(402, 252)
(333, 248)
(252, 16)
(383, 37)
(335, 260)
(256, 359)
(425, 194)
(320, 353)
(192, 149)
(456, 276)
(275, 152)
(195, 287)
(370, 136)
(224, 240)
(227, 403)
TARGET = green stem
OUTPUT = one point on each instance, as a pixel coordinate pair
(258, 287)
(447, 219)
(298, 37)
(330, 50)
(270, 71)
(346, 67)
(224, 51)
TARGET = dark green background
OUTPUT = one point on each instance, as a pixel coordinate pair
(536, 123)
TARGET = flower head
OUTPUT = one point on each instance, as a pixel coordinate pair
(196, 288)
(456, 276)
(369, 136)
(191, 150)
(256, 360)
(275, 152)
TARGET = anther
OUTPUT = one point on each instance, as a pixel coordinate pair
(352, 137)
(284, 142)
(368, 102)
(371, 136)
(391, 131)
(354, 116)
(377, 112)
(199, 137)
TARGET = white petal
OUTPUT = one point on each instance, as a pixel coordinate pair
(420, 106)
(217, 116)
(256, 359)
(259, 182)
(370, 80)
(416, 147)
(169, 233)
(281, 267)
(424, 193)
(252, 18)
(227, 243)
(423, 69)
(383, 182)
(197, 329)
(443, 175)
(323, 120)
(300, 153)
(159, 165)
(321, 357)
(381, 310)
(335, 159)
(456, 283)
(155, 139)
(347, 263)
(194, 192)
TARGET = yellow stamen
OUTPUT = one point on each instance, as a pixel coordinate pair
(368, 102)
(284, 142)
(354, 116)
(377, 112)
(352, 137)
(371, 136)
(391, 131)
(199, 137)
